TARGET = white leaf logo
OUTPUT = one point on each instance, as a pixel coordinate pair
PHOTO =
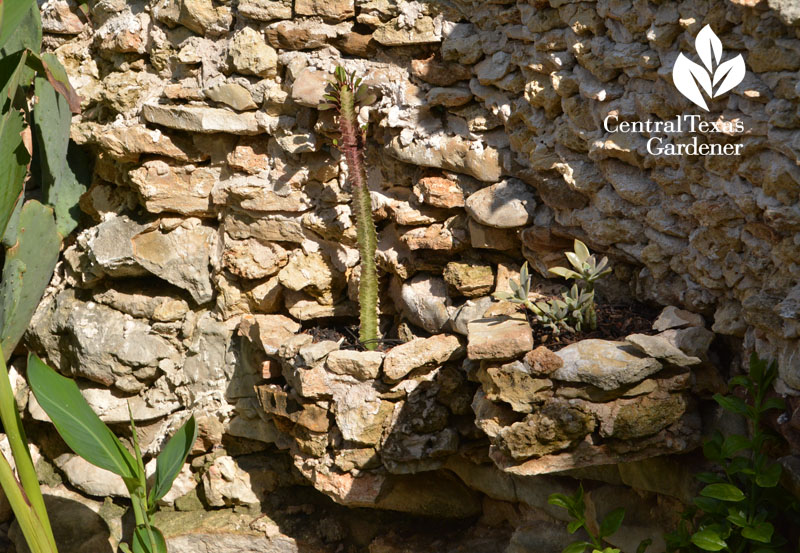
(692, 79)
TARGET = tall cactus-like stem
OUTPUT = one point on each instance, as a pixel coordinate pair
(347, 94)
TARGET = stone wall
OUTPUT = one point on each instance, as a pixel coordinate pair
(219, 203)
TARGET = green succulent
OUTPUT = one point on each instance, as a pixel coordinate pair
(587, 268)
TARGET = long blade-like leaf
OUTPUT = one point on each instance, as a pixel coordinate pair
(171, 459)
(22, 456)
(35, 534)
(141, 540)
(78, 425)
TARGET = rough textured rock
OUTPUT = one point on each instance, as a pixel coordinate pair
(502, 337)
(423, 300)
(607, 365)
(504, 205)
(421, 353)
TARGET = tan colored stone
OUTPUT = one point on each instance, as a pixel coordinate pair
(309, 87)
(449, 96)
(421, 353)
(250, 155)
(251, 55)
(276, 402)
(513, 384)
(542, 361)
(492, 238)
(268, 331)
(202, 119)
(177, 189)
(128, 143)
(252, 259)
(335, 10)
(395, 33)
(503, 337)
(451, 153)
(469, 279)
(363, 365)
(439, 192)
(265, 10)
(266, 297)
(440, 73)
(231, 94)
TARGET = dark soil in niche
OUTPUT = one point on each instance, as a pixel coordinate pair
(614, 322)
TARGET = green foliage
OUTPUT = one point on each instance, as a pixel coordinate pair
(346, 95)
(575, 310)
(588, 269)
(28, 232)
(90, 438)
(576, 507)
(741, 508)
(28, 267)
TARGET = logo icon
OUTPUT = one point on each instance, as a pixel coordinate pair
(687, 75)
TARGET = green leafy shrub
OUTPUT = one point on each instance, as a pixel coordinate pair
(576, 507)
(346, 95)
(741, 508)
(575, 310)
(89, 437)
(31, 232)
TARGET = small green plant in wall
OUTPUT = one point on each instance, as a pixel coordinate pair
(576, 507)
(575, 310)
(89, 437)
(741, 507)
(346, 95)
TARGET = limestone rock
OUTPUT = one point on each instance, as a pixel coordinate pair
(658, 347)
(251, 55)
(335, 10)
(268, 331)
(253, 259)
(314, 274)
(276, 402)
(672, 317)
(645, 416)
(423, 300)
(179, 256)
(362, 365)
(555, 427)
(468, 312)
(607, 365)
(266, 10)
(202, 119)
(449, 96)
(111, 246)
(395, 33)
(361, 415)
(439, 192)
(453, 154)
(231, 94)
(177, 189)
(225, 484)
(421, 353)
(508, 204)
(250, 155)
(469, 279)
(439, 73)
(513, 384)
(542, 361)
(503, 337)
(90, 479)
(309, 87)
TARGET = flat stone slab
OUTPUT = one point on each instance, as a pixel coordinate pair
(502, 337)
(605, 364)
(660, 348)
(202, 119)
(419, 353)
